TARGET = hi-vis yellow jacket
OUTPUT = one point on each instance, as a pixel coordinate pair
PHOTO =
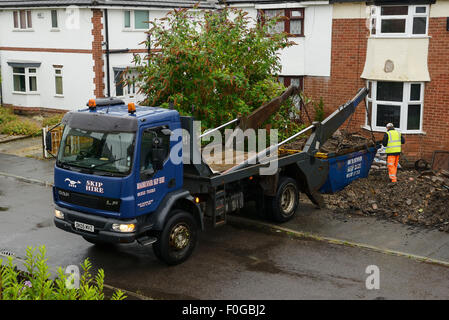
(394, 142)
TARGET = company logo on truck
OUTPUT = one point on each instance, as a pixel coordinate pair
(72, 183)
(94, 186)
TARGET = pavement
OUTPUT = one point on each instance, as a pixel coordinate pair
(22, 146)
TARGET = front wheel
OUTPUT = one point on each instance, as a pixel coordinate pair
(283, 206)
(178, 239)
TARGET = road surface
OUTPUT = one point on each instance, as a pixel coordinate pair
(230, 262)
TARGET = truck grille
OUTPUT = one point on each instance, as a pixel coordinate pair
(89, 201)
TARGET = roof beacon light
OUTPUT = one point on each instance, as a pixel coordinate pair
(92, 104)
(131, 107)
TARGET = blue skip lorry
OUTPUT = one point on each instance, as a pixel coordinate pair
(115, 181)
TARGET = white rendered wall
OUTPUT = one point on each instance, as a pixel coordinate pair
(78, 84)
(42, 35)
(312, 53)
(77, 69)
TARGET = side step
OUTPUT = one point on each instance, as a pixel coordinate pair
(146, 241)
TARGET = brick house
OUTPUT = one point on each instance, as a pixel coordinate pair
(399, 49)
(55, 55)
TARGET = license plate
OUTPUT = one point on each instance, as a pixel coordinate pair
(84, 226)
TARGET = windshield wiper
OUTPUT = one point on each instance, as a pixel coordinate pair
(104, 163)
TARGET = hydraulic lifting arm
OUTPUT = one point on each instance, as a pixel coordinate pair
(322, 131)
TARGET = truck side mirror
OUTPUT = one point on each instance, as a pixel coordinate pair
(48, 141)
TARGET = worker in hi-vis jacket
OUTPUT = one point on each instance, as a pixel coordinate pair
(392, 142)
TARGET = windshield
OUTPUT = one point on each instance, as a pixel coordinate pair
(98, 151)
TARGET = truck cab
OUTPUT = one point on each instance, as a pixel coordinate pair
(115, 181)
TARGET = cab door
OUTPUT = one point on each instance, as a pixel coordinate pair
(157, 175)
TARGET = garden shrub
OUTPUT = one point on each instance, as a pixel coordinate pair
(20, 127)
(36, 282)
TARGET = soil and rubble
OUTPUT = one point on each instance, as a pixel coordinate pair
(418, 198)
(342, 141)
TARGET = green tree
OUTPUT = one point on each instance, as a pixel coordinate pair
(213, 65)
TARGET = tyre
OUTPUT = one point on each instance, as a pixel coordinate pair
(178, 239)
(282, 207)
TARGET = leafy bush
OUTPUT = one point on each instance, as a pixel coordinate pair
(20, 127)
(51, 121)
(211, 65)
(36, 284)
(6, 115)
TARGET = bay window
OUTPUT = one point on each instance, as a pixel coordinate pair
(399, 20)
(400, 103)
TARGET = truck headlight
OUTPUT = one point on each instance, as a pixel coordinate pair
(59, 214)
(123, 227)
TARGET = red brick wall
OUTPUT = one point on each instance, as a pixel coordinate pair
(97, 52)
(349, 41)
(436, 95)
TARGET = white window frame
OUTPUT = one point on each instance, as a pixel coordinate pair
(132, 24)
(27, 27)
(57, 20)
(371, 98)
(27, 75)
(375, 16)
(61, 75)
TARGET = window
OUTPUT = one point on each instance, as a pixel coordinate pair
(291, 80)
(294, 24)
(399, 20)
(22, 19)
(127, 19)
(400, 103)
(102, 152)
(118, 80)
(59, 91)
(136, 19)
(24, 79)
(54, 19)
(125, 85)
(153, 140)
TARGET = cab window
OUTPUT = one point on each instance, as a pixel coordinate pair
(154, 144)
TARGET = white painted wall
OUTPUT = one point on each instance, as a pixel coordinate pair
(42, 35)
(312, 53)
(77, 67)
(77, 80)
(310, 56)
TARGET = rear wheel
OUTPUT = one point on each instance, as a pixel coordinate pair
(178, 239)
(283, 206)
